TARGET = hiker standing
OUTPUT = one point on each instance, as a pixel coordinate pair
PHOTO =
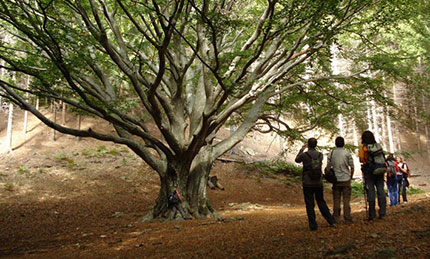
(392, 180)
(312, 183)
(402, 178)
(373, 166)
(175, 204)
(343, 165)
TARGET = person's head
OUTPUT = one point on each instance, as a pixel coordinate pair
(312, 143)
(368, 138)
(340, 142)
(390, 157)
(399, 159)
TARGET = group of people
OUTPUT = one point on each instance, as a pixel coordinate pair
(374, 167)
(397, 179)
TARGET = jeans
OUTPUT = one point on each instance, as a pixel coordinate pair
(372, 182)
(316, 193)
(393, 193)
(342, 189)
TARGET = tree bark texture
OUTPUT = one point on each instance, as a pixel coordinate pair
(192, 188)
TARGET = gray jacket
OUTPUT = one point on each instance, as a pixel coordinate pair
(342, 163)
(304, 158)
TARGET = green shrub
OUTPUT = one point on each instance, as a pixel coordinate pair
(357, 189)
(277, 167)
(23, 170)
(412, 190)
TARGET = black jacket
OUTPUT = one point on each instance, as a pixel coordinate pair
(304, 158)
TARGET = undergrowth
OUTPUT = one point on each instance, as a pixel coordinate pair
(271, 168)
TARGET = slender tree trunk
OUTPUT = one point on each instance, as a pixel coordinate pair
(24, 130)
(383, 129)
(375, 122)
(37, 103)
(427, 141)
(390, 133)
(397, 137)
(9, 129)
(369, 116)
(27, 84)
(79, 125)
(354, 132)
(341, 127)
(426, 129)
(417, 128)
(54, 119)
(63, 114)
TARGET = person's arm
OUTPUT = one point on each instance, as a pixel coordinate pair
(299, 155)
(329, 156)
(351, 164)
(362, 154)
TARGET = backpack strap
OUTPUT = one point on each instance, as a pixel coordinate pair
(309, 155)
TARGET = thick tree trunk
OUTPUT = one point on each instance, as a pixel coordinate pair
(191, 185)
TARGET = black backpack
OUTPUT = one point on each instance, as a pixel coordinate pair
(390, 168)
(173, 198)
(329, 173)
(314, 170)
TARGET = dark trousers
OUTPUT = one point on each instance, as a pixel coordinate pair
(342, 189)
(316, 193)
(372, 182)
(176, 207)
(401, 184)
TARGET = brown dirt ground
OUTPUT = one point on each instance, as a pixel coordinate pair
(85, 199)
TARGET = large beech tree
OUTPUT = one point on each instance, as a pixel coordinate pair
(187, 67)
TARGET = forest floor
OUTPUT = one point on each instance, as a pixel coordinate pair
(86, 199)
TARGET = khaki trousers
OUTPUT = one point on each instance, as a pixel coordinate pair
(342, 189)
